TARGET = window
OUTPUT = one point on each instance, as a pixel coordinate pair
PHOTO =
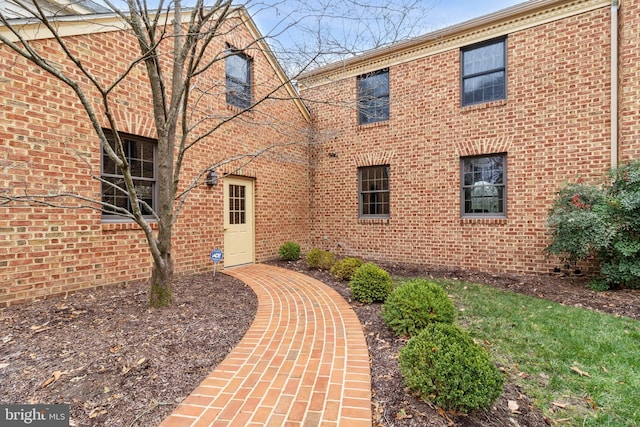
(373, 97)
(484, 72)
(374, 192)
(484, 186)
(238, 79)
(140, 153)
(237, 204)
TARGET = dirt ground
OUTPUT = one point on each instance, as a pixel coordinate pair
(119, 363)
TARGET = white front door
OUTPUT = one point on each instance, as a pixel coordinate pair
(238, 221)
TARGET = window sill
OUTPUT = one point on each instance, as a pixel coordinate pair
(239, 109)
(483, 105)
(381, 123)
(128, 225)
(484, 220)
(383, 221)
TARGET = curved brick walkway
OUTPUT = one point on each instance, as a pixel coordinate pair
(303, 361)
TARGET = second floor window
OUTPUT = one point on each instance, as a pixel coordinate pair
(238, 79)
(484, 72)
(373, 97)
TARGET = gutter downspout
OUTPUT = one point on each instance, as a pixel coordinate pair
(615, 4)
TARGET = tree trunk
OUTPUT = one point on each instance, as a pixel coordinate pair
(161, 281)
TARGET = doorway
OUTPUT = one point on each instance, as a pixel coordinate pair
(238, 221)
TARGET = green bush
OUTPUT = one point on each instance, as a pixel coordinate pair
(346, 267)
(371, 283)
(603, 221)
(289, 251)
(578, 227)
(444, 365)
(317, 258)
(414, 305)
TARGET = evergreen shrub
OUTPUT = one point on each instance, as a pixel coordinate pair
(345, 268)
(444, 365)
(602, 221)
(289, 251)
(317, 258)
(371, 283)
(415, 304)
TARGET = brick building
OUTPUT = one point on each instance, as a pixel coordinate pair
(444, 150)
(453, 145)
(49, 147)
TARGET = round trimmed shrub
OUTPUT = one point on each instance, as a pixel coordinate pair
(415, 304)
(317, 258)
(370, 283)
(345, 268)
(289, 251)
(444, 365)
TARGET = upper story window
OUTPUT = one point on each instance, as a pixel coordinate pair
(484, 72)
(374, 192)
(238, 79)
(141, 156)
(373, 97)
(484, 186)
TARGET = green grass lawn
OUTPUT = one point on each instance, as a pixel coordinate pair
(582, 368)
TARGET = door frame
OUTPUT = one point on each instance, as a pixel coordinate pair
(250, 208)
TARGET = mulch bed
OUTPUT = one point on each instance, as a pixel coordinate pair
(119, 363)
(112, 358)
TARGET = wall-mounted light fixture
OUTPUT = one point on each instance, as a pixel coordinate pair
(212, 179)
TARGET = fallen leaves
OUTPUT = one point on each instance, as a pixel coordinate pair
(40, 328)
(139, 364)
(403, 415)
(580, 372)
(97, 411)
(591, 402)
(53, 378)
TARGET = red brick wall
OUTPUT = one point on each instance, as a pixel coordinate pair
(554, 127)
(629, 78)
(48, 146)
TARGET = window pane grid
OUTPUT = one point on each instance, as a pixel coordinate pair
(374, 191)
(484, 186)
(238, 79)
(484, 73)
(237, 204)
(140, 154)
(373, 97)
(116, 197)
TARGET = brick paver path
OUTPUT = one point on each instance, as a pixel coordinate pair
(303, 361)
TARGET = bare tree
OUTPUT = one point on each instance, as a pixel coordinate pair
(175, 91)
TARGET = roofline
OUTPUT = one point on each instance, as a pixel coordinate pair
(75, 25)
(515, 18)
(68, 25)
(275, 64)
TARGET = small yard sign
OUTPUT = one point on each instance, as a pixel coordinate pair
(216, 257)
